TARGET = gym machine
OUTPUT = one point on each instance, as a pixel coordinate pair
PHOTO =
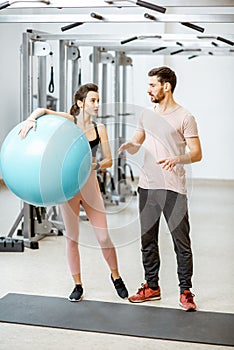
(37, 223)
(118, 187)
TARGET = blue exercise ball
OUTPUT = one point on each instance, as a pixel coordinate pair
(50, 165)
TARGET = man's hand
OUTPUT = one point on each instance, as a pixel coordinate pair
(134, 144)
(168, 163)
(129, 146)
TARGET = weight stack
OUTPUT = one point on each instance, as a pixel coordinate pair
(9, 244)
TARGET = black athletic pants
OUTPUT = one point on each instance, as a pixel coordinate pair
(173, 205)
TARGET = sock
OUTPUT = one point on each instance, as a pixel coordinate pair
(182, 290)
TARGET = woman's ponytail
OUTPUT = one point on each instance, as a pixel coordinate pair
(75, 110)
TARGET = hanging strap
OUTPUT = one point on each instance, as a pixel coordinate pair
(51, 84)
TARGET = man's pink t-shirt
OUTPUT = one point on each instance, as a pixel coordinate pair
(165, 136)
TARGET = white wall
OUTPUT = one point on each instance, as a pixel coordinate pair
(205, 87)
(10, 38)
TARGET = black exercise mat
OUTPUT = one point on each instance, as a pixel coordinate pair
(119, 318)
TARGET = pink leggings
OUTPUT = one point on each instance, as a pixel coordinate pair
(91, 200)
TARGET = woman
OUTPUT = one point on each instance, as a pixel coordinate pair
(85, 106)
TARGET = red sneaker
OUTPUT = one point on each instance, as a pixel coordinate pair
(145, 293)
(187, 302)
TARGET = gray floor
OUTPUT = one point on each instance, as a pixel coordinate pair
(45, 271)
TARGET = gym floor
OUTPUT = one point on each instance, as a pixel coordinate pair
(45, 272)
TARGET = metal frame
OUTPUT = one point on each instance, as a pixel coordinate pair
(68, 52)
(100, 58)
(146, 44)
(35, 226)
(125, 11)
(129, 11)
(125, 3)
(135, 17)
(36, 223)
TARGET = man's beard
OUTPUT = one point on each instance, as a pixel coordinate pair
(154, 99)
(157, 99)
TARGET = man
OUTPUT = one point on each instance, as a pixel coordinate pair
(166, 131)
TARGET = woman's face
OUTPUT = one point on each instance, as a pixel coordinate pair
(91, 103)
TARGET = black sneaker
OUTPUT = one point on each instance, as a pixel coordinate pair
(120, 287)
(77, 293)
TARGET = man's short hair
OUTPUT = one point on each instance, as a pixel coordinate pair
(164, 75)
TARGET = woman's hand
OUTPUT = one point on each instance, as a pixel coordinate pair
(27, 125)
(94, 166)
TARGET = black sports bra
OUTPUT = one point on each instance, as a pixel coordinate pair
(94, 143)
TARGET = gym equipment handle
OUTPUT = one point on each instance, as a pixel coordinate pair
(176, 52)
(95, 15)
(128, 40)
(226, 41)
(147, 15)
(131, 174)
(4, 5)
(70, 26)
(193, 26)
(159, 48)
(151, 6)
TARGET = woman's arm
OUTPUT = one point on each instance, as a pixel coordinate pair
(106, 162)
(30, 122)
(41, 111)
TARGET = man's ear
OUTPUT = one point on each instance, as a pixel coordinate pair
(167, 86)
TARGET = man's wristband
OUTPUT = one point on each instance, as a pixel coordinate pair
(97, 166)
